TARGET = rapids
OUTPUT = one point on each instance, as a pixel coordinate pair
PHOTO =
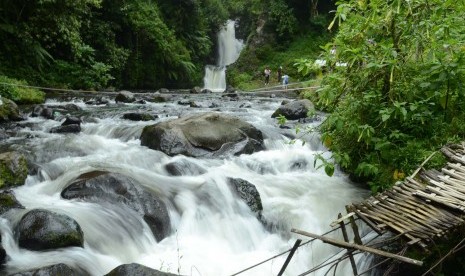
(214, 232)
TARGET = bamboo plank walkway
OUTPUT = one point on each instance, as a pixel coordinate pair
(424, 209)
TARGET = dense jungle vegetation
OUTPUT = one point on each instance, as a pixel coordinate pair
(398, 99)
(134, 44)
(401, 96)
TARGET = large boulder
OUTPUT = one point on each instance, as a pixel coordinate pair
(13, 169)
(136, 269)
(114, 188)
(294, 110)
(53, 270)
(248, 193)
(43, 229)
(9, 111)
(203, 135)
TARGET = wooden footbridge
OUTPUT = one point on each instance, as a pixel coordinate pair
(424, 208)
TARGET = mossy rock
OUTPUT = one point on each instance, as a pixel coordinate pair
(42, 230)
(13, 169)
(9, 111)
(8, 201)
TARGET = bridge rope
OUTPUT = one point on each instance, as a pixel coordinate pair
(258, 90)
(319, 266)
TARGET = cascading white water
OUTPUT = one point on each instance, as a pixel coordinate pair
(214, 232)
(229, 49)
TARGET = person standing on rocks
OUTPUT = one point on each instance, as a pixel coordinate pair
(280, 73)
(285, 81)
(267, 75)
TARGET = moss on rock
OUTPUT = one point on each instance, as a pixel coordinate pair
(13, 169)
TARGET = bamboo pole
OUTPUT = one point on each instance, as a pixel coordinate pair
(358, 247)
(346, 238)
(289, 257)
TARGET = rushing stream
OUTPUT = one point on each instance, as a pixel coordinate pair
(213, 231)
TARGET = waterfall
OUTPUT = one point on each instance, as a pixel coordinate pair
(229, 49)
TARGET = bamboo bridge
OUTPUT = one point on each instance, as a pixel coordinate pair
(419, 211)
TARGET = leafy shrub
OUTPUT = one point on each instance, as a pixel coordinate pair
(400, 97)
(17, 91)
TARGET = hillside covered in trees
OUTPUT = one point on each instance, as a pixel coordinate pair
(137, 44)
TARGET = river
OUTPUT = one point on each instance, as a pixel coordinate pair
(213, 231)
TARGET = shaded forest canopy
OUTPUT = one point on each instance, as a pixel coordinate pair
(140, 44)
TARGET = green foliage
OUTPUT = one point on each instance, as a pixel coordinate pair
(282, 18)
(253, 60)
(17, 91)
(400, 95)
(307, 67)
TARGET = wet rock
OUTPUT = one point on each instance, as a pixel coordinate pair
(74, 128)
(71, 121)
(194, 104)
(102, 100)
(98, 101)
(164, 90)
(248, 193)
(53, 270)
(245, 105)
(9, 111)
(72, 107)
(229, 89)
(206, 91)
(42, 229)
(43, 111)
(8, 201)
(125, 97)
(13, 169)
(120, 190)
(139, 117)
(184, 167)
(184, 102)
(136, 269)
(299, 165)
(3, 255)
(195, 90)
(213, 105)
(159, 98)
(202, 135)
(140, 102)
(294, 110)
(231, 95)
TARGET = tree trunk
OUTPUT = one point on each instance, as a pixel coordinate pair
(313, 8)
